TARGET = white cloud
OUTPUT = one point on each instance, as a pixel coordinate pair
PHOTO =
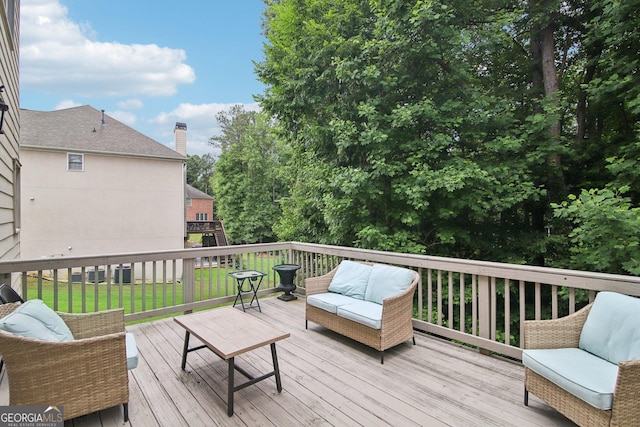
(125, 117)
(201, 124)
(130, 104)
(58, 55)
(67, 103)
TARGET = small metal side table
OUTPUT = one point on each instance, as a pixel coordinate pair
(253, 279)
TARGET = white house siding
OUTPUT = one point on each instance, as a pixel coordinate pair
(9, 141)
(117, 204)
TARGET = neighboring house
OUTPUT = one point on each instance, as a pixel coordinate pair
(199, 208)
(10, 137)
(92, 185)
(199, 205)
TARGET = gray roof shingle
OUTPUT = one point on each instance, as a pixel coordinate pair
(72, 129)
(194, 193)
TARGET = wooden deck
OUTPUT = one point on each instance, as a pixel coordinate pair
(327, 380)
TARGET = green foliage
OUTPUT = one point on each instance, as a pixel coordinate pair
(247, 184)
(200, 172)
(433, 126)
(399, 143)
(606, 231)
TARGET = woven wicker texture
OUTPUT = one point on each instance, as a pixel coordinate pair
(565, 333)
(396, 326)
(85, 375)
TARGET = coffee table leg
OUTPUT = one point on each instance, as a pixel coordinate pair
(230, 387)
(276, 369)
(185, 349)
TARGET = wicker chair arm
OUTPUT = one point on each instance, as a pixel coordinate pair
(6, 309)
(399, 308)
(82, 374)
(555, 333)
(320, 284)
(626, 405)
(87, 325)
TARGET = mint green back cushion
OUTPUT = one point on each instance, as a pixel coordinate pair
(386, 281)
(33, 319)
(351, 279)
(612, 329)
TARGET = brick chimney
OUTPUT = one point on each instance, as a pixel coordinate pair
(180, 137)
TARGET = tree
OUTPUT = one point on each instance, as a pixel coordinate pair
(246, 181)
(450, 127)
(200, 172)
(401, 143)
(600, 216)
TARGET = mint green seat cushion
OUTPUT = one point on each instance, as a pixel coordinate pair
(612, 329)
(386, 281)
(580, 373)
(329, 301)
(366, 312)
(33, 319)
(351, 279)
(132, 350)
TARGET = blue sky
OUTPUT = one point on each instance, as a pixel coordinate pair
(148, 64)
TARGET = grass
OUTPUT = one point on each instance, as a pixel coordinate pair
(210, 282)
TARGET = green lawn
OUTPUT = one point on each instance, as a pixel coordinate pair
(209, 283)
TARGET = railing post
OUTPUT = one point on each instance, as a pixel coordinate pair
(484, 309)
(188, 281)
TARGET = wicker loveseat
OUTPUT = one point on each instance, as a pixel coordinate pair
(586, 365)
(85, 374)
(370, 303)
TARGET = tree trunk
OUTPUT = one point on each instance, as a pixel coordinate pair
(543, 50)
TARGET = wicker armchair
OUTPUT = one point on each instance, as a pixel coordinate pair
(397, 312)
(565, 333)
(85, 375)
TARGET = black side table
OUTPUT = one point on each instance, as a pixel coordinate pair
(287, 273)
(254, 280)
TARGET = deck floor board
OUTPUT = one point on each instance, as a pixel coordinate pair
(327, 380)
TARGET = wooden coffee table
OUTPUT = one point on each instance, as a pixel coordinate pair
(229, 333)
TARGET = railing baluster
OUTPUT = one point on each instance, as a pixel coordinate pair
(164, 283)
(430, 295)
(493, 308)
(450, 300)
(538, 301)
(507, 311)
(572, 300)
(154, 283)
(462, 303)
(541, 292)
(484, 307)
(132, 289)
(25, 284)
(474, 305)
(175, 282)
(522, 306)
(108, 279)
(55, 296)
(143, 285)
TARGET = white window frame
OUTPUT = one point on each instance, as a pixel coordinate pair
(69, 162)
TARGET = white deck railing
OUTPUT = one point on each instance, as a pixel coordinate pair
(498, 297)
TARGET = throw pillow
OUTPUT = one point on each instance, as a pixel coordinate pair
(351, 279)
(386, 281)
(34, 319)
(612, 329)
